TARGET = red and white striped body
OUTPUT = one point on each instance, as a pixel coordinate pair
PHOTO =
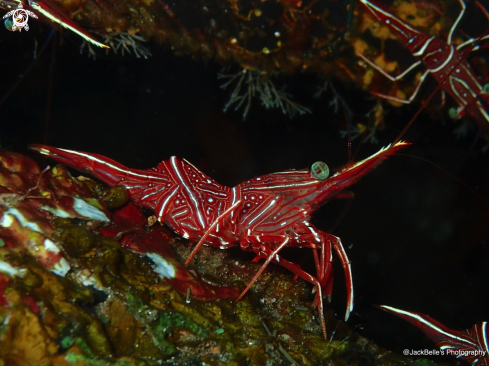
(471, 344)
(446, 62)
(262, 215)
(188, 201)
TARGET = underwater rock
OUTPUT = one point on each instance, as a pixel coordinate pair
(82, 285)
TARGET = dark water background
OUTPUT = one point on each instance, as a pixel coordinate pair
(416, 235)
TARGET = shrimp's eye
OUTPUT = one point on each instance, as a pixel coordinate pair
(320, 170)
(454, 113)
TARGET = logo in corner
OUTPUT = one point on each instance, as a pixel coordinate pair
(19, 19)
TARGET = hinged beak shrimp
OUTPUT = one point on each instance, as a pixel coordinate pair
(445, 61)
(263, 215)
(470, 344)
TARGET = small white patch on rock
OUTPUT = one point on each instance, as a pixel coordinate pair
(163, 267)
(12, 271)
(7, 221)
(85, 209)
(51, 246)
(61, 268)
